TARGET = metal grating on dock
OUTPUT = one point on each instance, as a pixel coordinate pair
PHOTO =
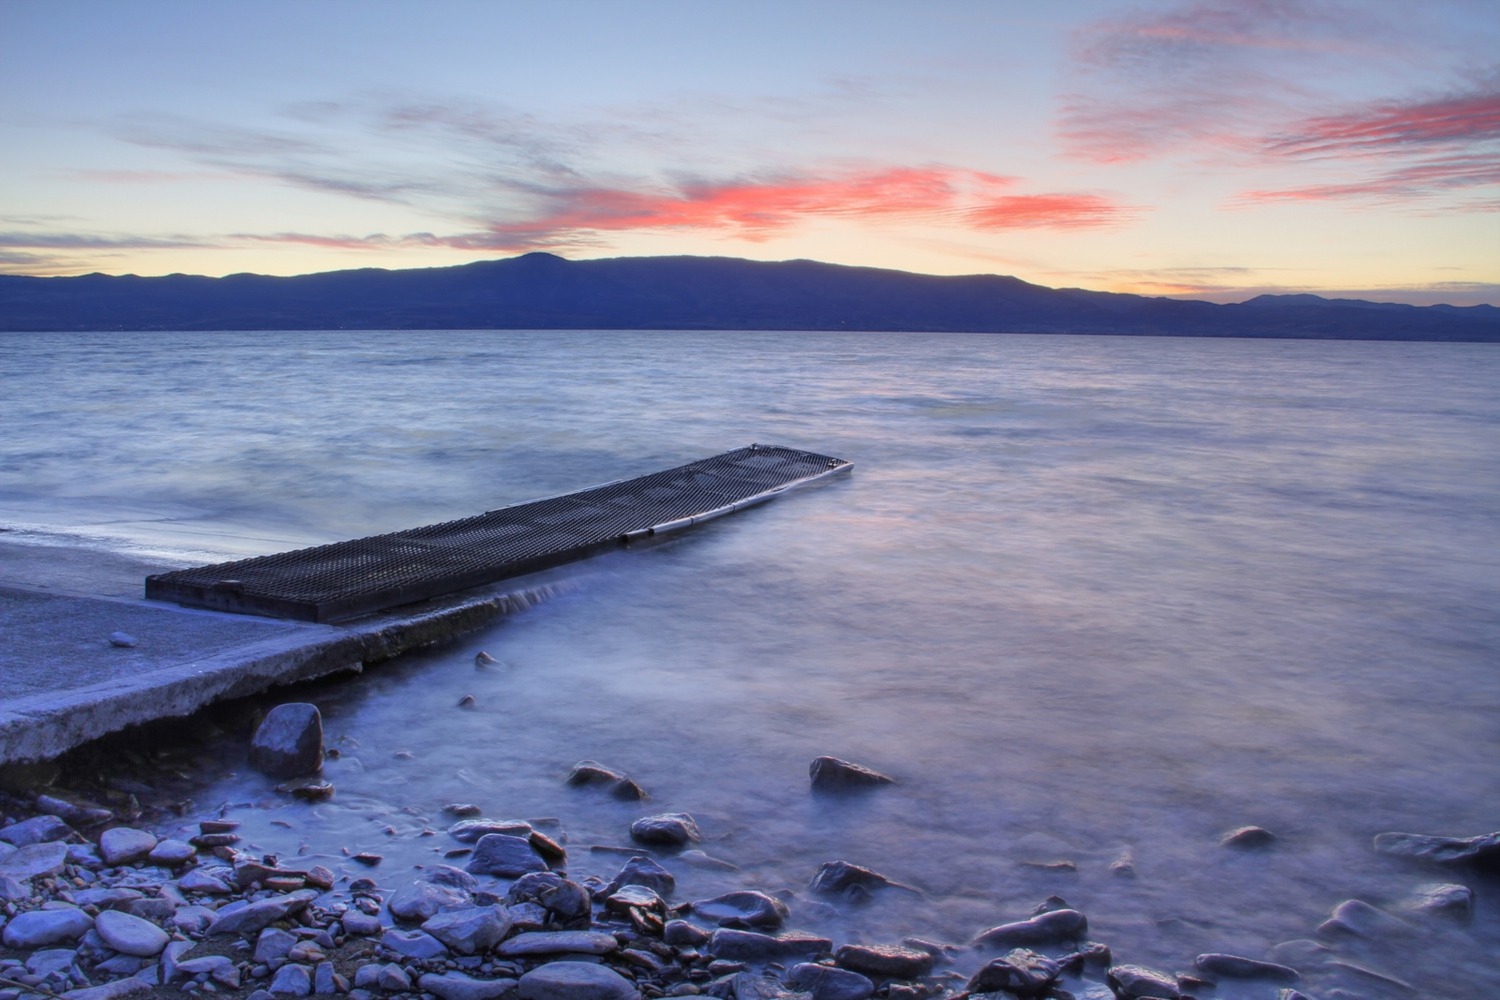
(344, 579)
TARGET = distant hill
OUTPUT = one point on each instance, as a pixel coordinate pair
(542, 291)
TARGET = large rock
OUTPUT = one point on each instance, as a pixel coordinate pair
(665, 830)
(745, 908)
(1131, 982)
(825, 982)
(1482, 850)
(642, 871)
(506, 856)
(830, 774)
(1444, 899)
(1236, 967)
(40, 928)
(419, 900)
(567, 903)
(472, 930)
(752, 946)
(884, 961)
(254, 917)
(130, 935)
(34, 861)
(1052, 927)
(289, 743)
(457, 986)
(1022, 972)
(558, 943)
(36, 830)
(123, 845)
(575, 981)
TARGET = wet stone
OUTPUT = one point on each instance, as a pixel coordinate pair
(1235, 967)
(470, 830)
(289, 743)
(457, 986)
(1443, 899)
(665, 830)
(575, 981)
(558, 943)
(1134, 981)
(1051, 927)
(505, 856)
(885, 962)
(743, 908)
(830, 774)
(123, 845)
(568, 902)
(1248, 838)
(472, 930)
(34, 860)
(40, 928)
(1022, 972)
(839, 876)
(172, 853)
(130, 935)
(752, 946)
(413, 944)
(825, 982)
(748, 986)
(36, 830)
(1483, 849)
(642, 871)
(1356, 918)
(292, 981)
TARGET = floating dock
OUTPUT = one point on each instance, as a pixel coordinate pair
(346, 579)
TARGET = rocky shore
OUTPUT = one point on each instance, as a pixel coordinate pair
(97, 903)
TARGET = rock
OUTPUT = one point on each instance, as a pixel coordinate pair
(194, 920)
(457, 986)
(472, 930)
(273, 945)
(825, 982)
(1022, 972)
(1245, 838)
(575, 981)
(291, 980)
(204, 882)
(558, 943)
(413, 944)
(589, 772)
(682, 934)
(36, 830)
(40, 928)
(504, 855)
(550, 850)
(220, 968)
(391, 978)
(123, 845)
(884, 962)
(462, 809)
(635, 897)
(830, 774)
(752, 946)
(360, 924)
(1052, 927)
(327, 981)
(743, 908)
(172, 853)
(1443, 899)
(1356, 918)
(34, 860)
(423, 898)
(262, 913)
(117, 990)
(1481, 850)
(568, 902)
(130, 935)
(470, 830)
(1132, 981)
(840, 876)
(642, 871)
(1235, 967)
(748, 986)
(665, 830)
(289, 743)
(123, 640)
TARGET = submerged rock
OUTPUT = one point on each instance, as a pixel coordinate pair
(840, 876)
(746, 907)
(1051, 927)
(1246, 838)
(830, 774)
(884, 962)
(825, 982)
(642, 871)
(1022, 972)
(1131, 982)
(1443, 899)
(1484, 849)
(289, 743)
(1235, 967)
(505, 856)
(665, 830)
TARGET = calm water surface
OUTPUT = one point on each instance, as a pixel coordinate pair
(1081, 596)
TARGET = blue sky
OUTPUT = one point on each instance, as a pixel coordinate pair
(1213, 149)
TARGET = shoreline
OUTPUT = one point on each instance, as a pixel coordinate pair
(124, 842)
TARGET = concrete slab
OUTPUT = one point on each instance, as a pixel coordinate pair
(63, 683)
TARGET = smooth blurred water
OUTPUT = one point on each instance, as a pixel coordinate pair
(1081, 596)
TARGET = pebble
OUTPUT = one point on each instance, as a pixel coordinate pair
(36, 830)
(1133, 981)
(41, 928)
(130, 935)
(745, 907)
(825, 982)
(665, 830)
(124, 845)
(289, 743)
(123, 640)
(457, 986)
(172, 853)
(291, 980)
(34, 861)
(1021, 972)
(471, 930)
(1052, 927)
(504, 855)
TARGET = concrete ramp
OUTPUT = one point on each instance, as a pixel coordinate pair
(345, 579)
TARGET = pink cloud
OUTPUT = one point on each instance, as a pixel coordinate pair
(1049, 211)
(1462, 119)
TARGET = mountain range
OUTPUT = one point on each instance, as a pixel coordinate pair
(543, 291)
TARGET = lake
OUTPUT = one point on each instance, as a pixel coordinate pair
(1085, 598)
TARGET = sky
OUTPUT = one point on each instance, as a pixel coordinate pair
(1214, 149)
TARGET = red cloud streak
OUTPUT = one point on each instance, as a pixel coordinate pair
(1457, 120)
